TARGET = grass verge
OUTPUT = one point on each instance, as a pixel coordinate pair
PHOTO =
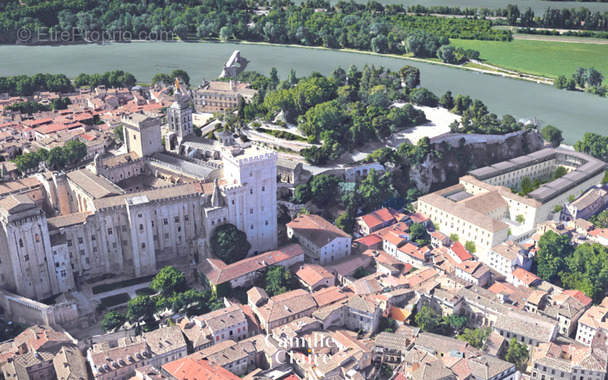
(540, 57)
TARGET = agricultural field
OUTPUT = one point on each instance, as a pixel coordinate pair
(540, 57)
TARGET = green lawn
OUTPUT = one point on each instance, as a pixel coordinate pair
(115, 300)
(540, 57)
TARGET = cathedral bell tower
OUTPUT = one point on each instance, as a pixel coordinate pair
(179, 114)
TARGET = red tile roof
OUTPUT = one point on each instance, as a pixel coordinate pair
(460, 251)
(218, 272)
(311, 274)
(378, 217)
(579, 296)
(317, 230)
(369, 240)
(189, 369)
(524, 276)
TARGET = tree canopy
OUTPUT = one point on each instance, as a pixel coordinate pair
(552, 135)
(229, 243)
(168, 281)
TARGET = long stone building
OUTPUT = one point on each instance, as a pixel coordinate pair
(483, 209)
(92, 226)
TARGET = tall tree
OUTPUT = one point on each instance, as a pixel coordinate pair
(229, 243)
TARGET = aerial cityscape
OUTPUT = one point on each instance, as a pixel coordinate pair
(303, 189)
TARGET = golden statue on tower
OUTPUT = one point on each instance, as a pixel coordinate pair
(176, 84)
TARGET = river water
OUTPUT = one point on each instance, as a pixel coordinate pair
(573, 112)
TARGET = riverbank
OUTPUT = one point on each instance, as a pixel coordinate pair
(524, 100)
(488, 69)
(538, 57)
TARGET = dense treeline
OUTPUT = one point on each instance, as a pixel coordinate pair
(583, 268)
(342, 111)
(116, 78)
(348, 25)
(588, 79)
(57, 158)
(25, 85)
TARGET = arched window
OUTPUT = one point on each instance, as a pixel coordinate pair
(143, 245)
(20, 243)
(141, 227)
(37, 238)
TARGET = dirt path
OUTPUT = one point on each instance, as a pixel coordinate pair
(568, 39)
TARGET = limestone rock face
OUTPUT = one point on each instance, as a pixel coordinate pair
(461, 153)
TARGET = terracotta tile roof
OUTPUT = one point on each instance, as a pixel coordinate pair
(580, 296)
(524, 276)
(460, 251)
(475, 268)
(286, 305)
(369, 240)
(69, 364)
(113, 161)
(328, 296)
(421, 275)
(68, 220)
(311, 274)
(219, 275)
(188, 369)
(316, 229)
(378, 217)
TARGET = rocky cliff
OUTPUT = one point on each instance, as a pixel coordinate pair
(454, 155)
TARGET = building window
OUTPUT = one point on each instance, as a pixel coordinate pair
(82, 252)
(37, 238)
(143, 245)
(252, 226)
(109, 231)
(250, 191)
(21, 243)
(263, 188)
(251, 211)
(165, 221)
(141, 227)
(80, 240)
(69, 243)
(93, 238)
(177, 219)
(186, 218)
(26, 258)
(266, 223)
(87, 260)
(124, 228)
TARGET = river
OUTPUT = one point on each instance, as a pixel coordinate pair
(538, 6)
(573, 112)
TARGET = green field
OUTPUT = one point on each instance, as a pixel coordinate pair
(540, 57)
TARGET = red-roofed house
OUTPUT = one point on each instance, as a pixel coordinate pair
(243, 273)
(520, 276)
(377, 220)
(322, 239)
(580, 296)
(459, 253)
(368, 242)
(439, 239)
(474, 272)
(189, 368)
(314, 276)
